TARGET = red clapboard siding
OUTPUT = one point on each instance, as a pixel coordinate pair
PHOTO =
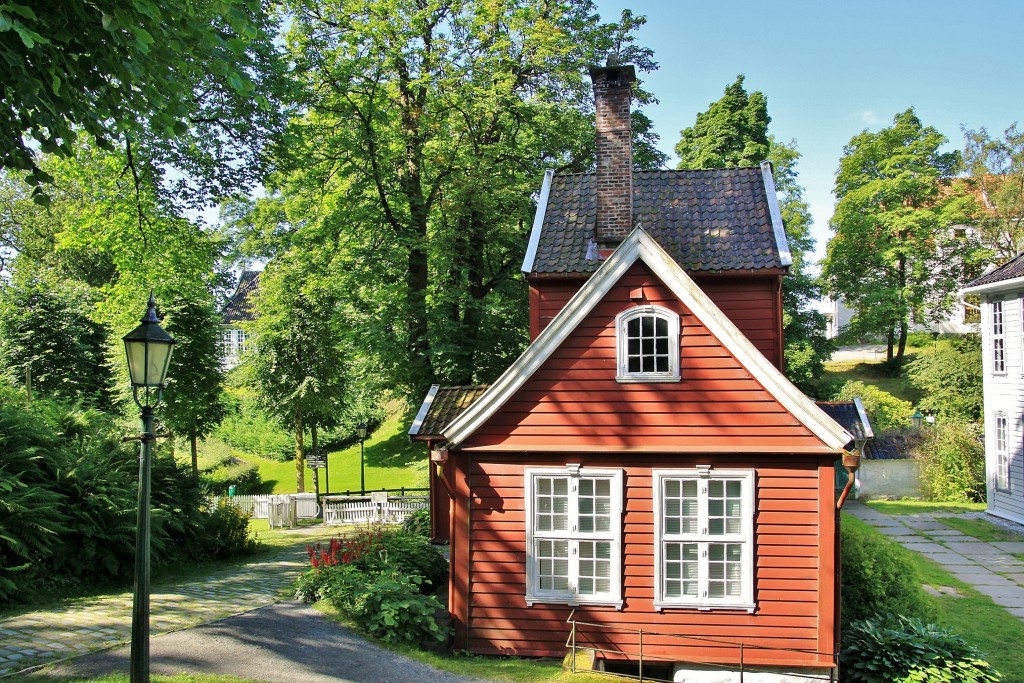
(788, 574)
(573, 400)
(754, 304)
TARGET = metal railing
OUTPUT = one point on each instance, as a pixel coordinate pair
(572, 642)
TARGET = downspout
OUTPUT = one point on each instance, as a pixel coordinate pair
(851, 463)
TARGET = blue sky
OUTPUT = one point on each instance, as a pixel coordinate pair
(832, 69)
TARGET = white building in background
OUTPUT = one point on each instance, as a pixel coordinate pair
(238, 309)
(1002, 343)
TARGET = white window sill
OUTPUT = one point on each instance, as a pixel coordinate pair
(706, 606)
(572, 602)
(645, 379)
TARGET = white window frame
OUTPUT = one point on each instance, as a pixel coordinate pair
(998, 328)
(1001, 443)
(574, 473)
(703, 475)
(1020, 337)
(622, 344)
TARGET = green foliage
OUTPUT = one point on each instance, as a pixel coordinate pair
(408, 554)
(225, 532)
(951, 379)
(894, 256)
(885, 411)
(996, 167)
(392, 608)
(877, 577)
(952, 457)
(170, 80)
(242, 475)
(418, 524)
(897, 649)
(732, 132)
(250, 430)
(46, 326)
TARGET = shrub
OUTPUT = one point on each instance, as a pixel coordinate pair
(897, 649)
(226, 532)
(243, 475)
(256, 433)
(392, 607)
(885, 411)
(950, 379)
(952, 457)
(418, 524)
(408, 554)
(877, 576)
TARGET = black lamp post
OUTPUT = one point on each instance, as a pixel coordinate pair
(361, 433)
(148, 348)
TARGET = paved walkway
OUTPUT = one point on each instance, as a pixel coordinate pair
(990, 568)
(82, 626)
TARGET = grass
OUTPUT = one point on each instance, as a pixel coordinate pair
(974, 616)
(981, 529)
(391, 461)
(123, 678)
(913, 507)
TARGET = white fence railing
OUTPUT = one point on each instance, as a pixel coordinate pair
(377, 507)
(280, 510)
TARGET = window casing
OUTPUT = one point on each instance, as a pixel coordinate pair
(647, 339)
(574, 535)
(704, 546)
(998, 339)
(1002, 455)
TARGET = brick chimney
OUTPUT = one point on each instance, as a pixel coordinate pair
(612, 99)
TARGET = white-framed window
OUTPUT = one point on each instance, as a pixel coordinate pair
(998, 339)
(1020, 323)
(647, 339)
(704, 546)
(1001, 434)
(233, 343)
(574, 535)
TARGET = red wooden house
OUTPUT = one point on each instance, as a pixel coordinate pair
(643, 480)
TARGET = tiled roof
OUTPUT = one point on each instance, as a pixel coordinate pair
(1012, 269)
(848, 416)
(892, 447)
(240, 307)
(707, 220)
(443, 406)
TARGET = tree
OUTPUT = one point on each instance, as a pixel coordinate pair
(732, 132)
(427, 131)
(194, 399)
(190, 85)
(46, 328)
(895, 257)
(996, 171)
(296, 358)
(950, 380)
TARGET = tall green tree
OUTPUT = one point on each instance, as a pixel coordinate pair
(426, 133)
(46, 330)
(732, 132)
(894, 257)
(297, 360)
(996, 170)
(194, 401)
(195, 86)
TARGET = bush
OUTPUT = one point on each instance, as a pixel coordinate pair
(418, 523)
(952, 456)
(950, 379)
(898, 649)
(226, 532)
(244, 476)
(256, 433)
(877, 576)
(885, 411)
(392, 607)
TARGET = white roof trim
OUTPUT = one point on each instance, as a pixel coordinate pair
(863, 414)
(640, 246)
(417, 423)
(785, 256)
(1000, 286)
(538, 222)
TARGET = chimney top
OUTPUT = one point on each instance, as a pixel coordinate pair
(613, 73)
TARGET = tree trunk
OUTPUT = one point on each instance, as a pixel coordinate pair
(890, 341)
(193, 442)
(300, 454)
(904, 328)
(316, 454)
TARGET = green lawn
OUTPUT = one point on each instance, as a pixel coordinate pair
(912, 507)
(391, 461)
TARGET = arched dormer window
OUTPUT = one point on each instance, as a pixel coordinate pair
(647, 338)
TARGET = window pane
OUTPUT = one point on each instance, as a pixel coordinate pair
(661, 346)
(553, 565)
(633, 328)
(662, 327)
(552, 504)
(595, 567)
(647, 326)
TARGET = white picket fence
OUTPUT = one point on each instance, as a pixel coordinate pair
(284, 510)
(377, 507)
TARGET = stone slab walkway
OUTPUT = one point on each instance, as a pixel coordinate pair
(990, 568)
(55, 633)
